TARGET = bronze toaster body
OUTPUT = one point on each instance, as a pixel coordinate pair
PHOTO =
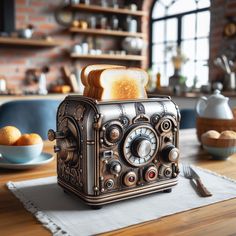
(113, 150)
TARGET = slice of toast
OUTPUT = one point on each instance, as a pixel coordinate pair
(88, 90)
(121, 83)
(93, 81)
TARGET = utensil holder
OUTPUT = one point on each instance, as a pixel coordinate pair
(230, 81)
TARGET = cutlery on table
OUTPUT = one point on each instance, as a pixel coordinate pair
(195, 181)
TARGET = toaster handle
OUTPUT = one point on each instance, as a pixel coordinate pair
(52, 135)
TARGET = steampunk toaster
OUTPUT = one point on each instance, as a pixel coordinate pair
(114, 150)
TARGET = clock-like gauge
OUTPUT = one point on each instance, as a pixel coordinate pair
(64, 17)
(230, 29)
(140, 145)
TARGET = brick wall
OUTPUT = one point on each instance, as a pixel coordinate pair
(15, 60)
(220, 10)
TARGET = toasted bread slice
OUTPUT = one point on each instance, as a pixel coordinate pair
(121, 83)
(93, 81)
(88, 91)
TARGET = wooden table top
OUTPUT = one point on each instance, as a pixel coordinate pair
(217, 219)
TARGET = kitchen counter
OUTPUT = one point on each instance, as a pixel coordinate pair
(7, 98)
(185, 100)
(188, 100)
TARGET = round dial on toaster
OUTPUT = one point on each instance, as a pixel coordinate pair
(112, 133)
(140, 145)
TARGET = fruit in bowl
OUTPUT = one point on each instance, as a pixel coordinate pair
(29, 139)
(19, 148)
(219, 145)
(9, 135)
(21, 154)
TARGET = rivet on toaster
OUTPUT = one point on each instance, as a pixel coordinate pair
(109, 151)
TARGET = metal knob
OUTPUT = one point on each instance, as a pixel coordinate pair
(130, 178)
(109, 183)
(113, 134)
(151, 173)
(52, 135)
(115, 167)
(141, 147)
(170, 153)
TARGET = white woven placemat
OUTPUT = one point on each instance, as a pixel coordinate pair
(65, 214)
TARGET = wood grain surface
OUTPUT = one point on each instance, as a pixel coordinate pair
(217, 219)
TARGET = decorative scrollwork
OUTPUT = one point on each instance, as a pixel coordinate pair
(74, 176)
(79, 112)
(166, 124)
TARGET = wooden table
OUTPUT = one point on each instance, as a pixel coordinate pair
(216, 219)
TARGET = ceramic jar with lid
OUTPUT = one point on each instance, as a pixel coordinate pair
(215, 106)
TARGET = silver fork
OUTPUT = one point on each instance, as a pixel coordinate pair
(195, 181)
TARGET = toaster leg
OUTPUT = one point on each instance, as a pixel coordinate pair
(96, 207)
(169, 190)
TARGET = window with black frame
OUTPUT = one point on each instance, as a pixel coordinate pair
(180, 28)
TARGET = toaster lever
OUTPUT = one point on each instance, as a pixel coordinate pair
(52, 135)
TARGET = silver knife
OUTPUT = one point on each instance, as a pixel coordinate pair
(198, 185)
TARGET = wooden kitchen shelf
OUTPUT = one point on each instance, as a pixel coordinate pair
(109, 57)
(107, 32)
(100, 9)
(28, 42)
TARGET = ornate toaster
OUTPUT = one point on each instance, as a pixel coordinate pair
(114, 150)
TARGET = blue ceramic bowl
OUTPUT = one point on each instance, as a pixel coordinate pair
(21, 154)
(220, 153)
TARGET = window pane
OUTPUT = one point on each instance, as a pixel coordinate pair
(182, 6)
(170, 50)
(158, 32)
(194, 39)
(188, 26)
(188, 70)
(203, 3)
(202, 49)
(202, 73)
(158, 10)
(169, 69)
(203, 24)
(188, 49)
(171, 31)
(166, 2)
(158, 53)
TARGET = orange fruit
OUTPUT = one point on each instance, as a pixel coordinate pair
(29, 139)
(9, 135)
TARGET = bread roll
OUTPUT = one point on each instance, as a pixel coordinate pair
(88, 90)
(211, 134)
(119, 84)
(227, 134)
